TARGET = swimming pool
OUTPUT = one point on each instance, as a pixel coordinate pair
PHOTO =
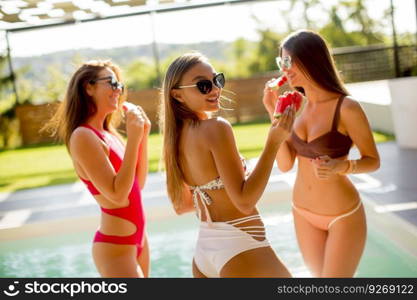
(172, 241)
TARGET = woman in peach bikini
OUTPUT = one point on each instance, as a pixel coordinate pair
(329, 217)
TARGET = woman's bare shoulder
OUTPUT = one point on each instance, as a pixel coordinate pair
(215, 131)
(83, 138)
(81, 134)
(350, 104)
(351, 109)
(214, 124)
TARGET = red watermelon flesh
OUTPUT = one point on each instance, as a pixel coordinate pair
(287, 100)
(129, 106)
(274, 85)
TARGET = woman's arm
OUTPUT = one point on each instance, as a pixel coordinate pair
(88, 152)
(269, 98)
(286, 155)
(143, 163)
(245, 192)
(187, 201)
(357, 126)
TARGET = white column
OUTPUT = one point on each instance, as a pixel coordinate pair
(404, 110)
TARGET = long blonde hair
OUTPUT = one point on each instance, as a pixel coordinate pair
(172, 115)
(78, 106)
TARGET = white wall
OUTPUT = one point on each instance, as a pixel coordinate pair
(375, 99)
(404, 110)
(391, 106)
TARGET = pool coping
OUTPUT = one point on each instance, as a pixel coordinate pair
(402, 233)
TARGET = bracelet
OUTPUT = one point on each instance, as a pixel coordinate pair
(353, 166)
(348, 169)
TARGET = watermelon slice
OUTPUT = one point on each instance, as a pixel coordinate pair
(129, 106)
(286, 100)
(277, 83)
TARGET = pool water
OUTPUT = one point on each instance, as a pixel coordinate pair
(172, 242)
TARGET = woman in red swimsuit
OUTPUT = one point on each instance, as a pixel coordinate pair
(328, 214)
(113, 172)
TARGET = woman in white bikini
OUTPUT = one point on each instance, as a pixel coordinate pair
(328, 214)
(205, 172)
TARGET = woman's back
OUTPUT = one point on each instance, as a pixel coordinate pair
(199, 167)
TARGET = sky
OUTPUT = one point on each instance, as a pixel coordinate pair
(222, 23)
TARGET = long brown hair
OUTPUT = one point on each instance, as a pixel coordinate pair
(78, 106)
(172, 115)
(311, 53)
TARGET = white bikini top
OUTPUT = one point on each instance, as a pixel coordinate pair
(215, 184)
(198, 190)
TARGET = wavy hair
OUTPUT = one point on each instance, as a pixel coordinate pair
(78, 106)
(172, 115)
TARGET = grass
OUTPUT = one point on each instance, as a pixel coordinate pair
(43, 165)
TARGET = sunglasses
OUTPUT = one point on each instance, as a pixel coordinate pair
(205, 86)
(114, 84)
(283, 62)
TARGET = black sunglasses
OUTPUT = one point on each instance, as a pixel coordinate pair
(114, 84)
(205, 86)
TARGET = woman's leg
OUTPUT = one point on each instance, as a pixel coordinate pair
(113, 260)
(144, 259)
(259, 262)
(345, 244)
(312, 242)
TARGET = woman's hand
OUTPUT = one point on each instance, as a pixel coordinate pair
(148, 124)
(324, 166)
(135, 123)
(269, 98)
(282, 127)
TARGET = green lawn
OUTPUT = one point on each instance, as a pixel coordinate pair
(50, 164)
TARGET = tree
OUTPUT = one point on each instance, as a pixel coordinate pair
(307, 5)
(266, 52)
(240, 55)
(54, 89)
(334, 31)
(141, 74)
(286, 15)
(358, 12)
(7, 104)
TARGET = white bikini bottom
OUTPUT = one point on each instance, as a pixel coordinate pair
(218, 242)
